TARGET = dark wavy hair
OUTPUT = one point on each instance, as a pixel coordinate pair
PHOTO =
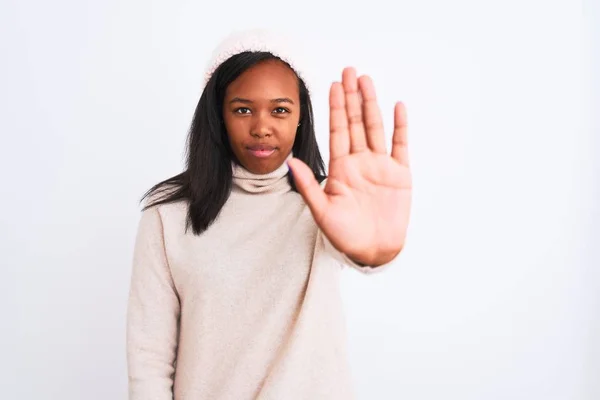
(206, 182)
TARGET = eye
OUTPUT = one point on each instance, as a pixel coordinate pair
(281, 110)
(242, 110)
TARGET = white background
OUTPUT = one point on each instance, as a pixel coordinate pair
(496, 293)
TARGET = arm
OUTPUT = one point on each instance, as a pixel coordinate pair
(152, 315)
(346, 261)
(364, 207)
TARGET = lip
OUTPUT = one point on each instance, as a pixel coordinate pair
(261, 147)
(261, 152)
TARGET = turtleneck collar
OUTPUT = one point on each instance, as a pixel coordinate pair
(273, 182)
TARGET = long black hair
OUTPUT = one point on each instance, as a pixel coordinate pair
(206, 182)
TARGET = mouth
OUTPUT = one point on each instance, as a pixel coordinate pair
(261, 150)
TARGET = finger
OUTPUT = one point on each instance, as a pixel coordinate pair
(399, 139)
(339, 137)
(309, 188)
(373, 122)
(358, 141)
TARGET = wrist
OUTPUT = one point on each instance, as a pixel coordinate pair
(374, 259)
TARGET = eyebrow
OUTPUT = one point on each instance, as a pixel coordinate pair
(246, 101)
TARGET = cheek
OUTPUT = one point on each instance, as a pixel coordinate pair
(236, 129)
(293, 128)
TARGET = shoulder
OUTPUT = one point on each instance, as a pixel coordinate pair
(158, 194)
(158, 202)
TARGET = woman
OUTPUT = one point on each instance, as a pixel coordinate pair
(235, 284)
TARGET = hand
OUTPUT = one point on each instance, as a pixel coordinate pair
(365, 205)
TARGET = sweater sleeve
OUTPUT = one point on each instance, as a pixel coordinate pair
(152, 315)
(346, 261)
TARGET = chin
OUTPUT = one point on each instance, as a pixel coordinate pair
(261, 165)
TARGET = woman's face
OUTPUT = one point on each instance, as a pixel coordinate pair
(261, 111)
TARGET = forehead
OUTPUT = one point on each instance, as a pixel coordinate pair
(268, 79)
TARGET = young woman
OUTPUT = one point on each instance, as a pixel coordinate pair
(235, 283)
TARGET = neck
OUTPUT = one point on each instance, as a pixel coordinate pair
(272, 182)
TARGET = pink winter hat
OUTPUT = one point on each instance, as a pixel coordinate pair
(276, 43)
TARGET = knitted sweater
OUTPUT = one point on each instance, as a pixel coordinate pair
(249, 309)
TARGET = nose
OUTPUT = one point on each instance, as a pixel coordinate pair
(261, 127)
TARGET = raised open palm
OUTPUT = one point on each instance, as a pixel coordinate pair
(365, 205)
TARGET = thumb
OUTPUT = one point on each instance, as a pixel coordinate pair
(309, 188)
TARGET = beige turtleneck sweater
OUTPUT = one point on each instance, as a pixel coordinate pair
(250, 309)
